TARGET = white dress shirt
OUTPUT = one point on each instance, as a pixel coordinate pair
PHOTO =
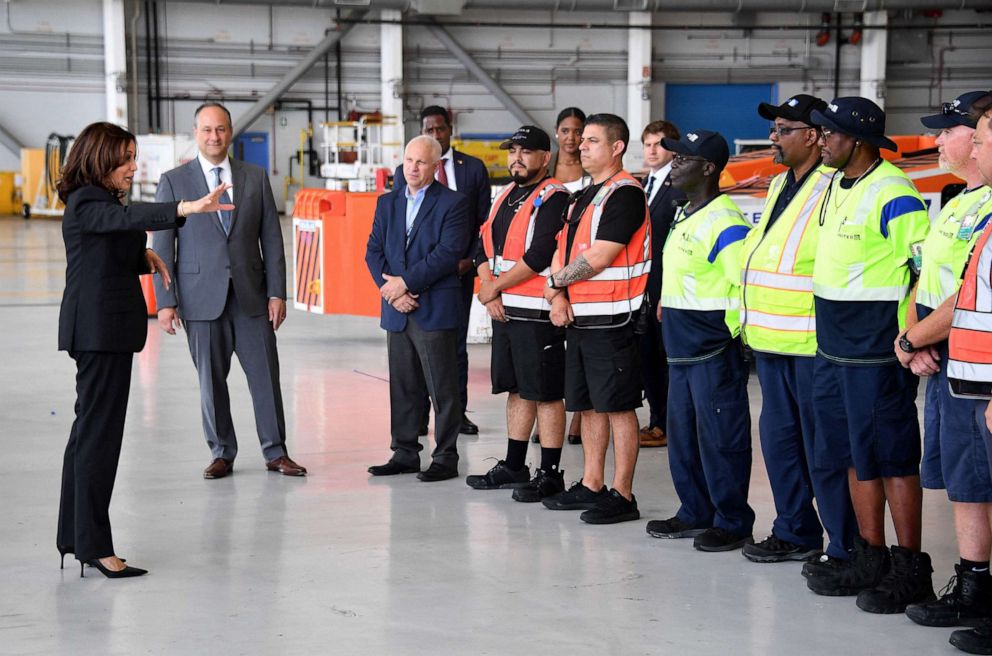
(659, 179)
(449, 169)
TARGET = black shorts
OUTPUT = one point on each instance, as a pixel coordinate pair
(602, 369)
(528, 358)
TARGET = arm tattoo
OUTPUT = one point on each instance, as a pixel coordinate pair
(578, 270)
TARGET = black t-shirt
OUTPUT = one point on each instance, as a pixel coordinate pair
(546, 227)
(622, 215)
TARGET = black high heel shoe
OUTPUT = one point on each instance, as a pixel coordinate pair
(63, 550)
(125, 573)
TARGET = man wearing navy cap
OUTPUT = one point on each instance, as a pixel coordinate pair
(873, 223)
(709, 422)
(954, 457)
(778, 324)
(528, 353)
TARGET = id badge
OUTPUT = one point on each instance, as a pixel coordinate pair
(499, 265)
(967, 228)
(916, 261)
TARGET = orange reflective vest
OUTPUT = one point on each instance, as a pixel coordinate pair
(525, 300)
(614, 295)
(970, 341)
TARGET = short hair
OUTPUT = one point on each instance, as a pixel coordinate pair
(96, 152)
(435, 110)
(616, 128)
(211, 103)
(431, 142)
(665, 128)
(570, 112)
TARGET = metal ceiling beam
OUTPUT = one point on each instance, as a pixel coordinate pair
(297, 72)
(10, 142)
(481, 75)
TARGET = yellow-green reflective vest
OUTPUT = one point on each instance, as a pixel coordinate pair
(868, 236)
(777, 314)
(946, 248)
(701, 260)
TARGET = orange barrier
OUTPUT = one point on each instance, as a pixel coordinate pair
(330, 231)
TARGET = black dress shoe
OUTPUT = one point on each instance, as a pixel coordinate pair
(437, 472)
(467, 427)
(392, 468)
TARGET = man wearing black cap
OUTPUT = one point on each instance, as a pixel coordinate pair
(596, 288)
(873, 223)
(954, 455)
(709, 423)
(778, 324)
(528, 353)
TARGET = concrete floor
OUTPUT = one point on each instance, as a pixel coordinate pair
(340, 563)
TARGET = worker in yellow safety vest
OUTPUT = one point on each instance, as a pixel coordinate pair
(872, 226)
(778, 324)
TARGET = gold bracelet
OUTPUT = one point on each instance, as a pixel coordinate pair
(179, 209)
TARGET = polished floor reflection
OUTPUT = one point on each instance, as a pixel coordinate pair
(339, 563)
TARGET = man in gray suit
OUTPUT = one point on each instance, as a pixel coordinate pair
(229, 287)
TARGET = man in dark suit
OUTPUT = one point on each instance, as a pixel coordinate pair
(663, 200)
(418, 236)
(230, 290)
(467, 175)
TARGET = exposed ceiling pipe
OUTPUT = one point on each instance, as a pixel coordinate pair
(727, 6)
(295, 73)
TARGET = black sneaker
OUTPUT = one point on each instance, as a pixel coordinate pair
(775, 550)
(612, 509)
(577, 497)
(824, 565)
(865, 570)
(544, 484)
(909, 581)
(719, 539)
(964, 601)
(673, 528)
(499, 477)
(974, 641)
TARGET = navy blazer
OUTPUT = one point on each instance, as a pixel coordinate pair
(662, 211)
(103, 308)
(472, 180)
(427, 261)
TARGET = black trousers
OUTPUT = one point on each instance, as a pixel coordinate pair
(467, 292)
(422, 362)
(654, 370)
(103, 381)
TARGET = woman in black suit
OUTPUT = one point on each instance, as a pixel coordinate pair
(102, 323)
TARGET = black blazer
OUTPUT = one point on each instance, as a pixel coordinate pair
(103, 308)
(662, 211)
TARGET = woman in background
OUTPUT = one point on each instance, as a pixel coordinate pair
(102, 324)
(567, 167)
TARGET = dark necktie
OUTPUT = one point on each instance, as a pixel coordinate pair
(225, 215)
(647, 191)
(442, 175)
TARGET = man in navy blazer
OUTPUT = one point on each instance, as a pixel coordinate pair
(663, 199)
(419, 234)
(466, 175)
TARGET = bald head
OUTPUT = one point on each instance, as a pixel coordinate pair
(419, 160)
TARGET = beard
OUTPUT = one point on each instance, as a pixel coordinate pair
(521, 177)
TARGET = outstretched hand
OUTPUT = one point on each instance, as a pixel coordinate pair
(210, 202)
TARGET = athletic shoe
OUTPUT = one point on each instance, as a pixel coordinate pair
(719, 539)
(612, 509)
(543, 485)
(499, 477)
(673, 528)
(865, 570)
(775, 550)
(577, 497)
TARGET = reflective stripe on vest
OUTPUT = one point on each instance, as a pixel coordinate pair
(970, 341)
(855, 260)
(615, 294)
(526, 299)
(777, 310)
(948, 244)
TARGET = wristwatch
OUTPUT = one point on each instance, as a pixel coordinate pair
(905, 344)
(551, 282)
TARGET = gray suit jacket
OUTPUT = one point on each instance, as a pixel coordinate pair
(201, 258)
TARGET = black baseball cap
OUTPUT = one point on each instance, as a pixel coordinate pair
(530, 137)
(956, 113)
(796, 108)
(709, 145)
(856, 117)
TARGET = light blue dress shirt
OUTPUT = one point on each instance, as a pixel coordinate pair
(413, 204)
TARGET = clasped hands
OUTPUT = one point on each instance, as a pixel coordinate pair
(924, 361)
(395, 293)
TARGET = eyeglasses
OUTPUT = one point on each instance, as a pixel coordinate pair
(826, 133)
(682, 159)
(778, 131)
